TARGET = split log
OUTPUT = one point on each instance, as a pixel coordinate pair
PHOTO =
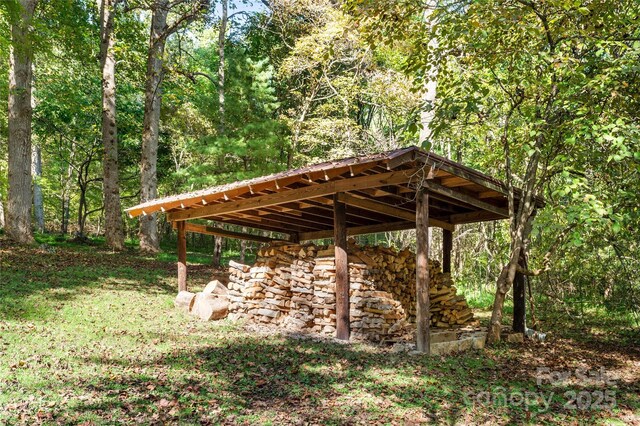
(217, 288)
(209, 307)
(184, 301)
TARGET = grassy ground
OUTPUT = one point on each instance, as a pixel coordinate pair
(89, 336)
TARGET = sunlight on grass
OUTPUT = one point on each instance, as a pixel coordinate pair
(92, 336)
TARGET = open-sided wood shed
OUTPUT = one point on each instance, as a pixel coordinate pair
(396, 190)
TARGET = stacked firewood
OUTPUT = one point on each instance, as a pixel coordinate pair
(294, 285)
(395, 272)
(324, 294)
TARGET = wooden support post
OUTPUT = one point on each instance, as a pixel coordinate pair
(182, 256)
(343, 327)
(519, 297)
(447, 246)
(423, 317)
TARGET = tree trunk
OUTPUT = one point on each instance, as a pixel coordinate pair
(83, 174)
(1, 213)
(151, 125)
(64, 226)
(519, 298)
(243, 246)
(18, 215)
(38, 201)
(521, 230)
(111, 187)
(82, 208)
(222, 34)
(66, 190)
(429, 95)
(217, 252)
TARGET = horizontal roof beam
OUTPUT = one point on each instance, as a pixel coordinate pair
(477, 216)
(464, 198)
(388, 210)
(360, 230)
(211, 230)
(331, 187)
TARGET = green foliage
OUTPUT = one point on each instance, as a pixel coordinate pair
(312, 80)
(552, 87)
(253, 140)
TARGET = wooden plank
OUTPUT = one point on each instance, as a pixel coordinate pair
(298, 194)
(490, 194)
(471, 217)
(378, 207)
(182, 257)
(211, 230)
(257, 225)
(360, 230)
(313, 209)
(327, 174)
(457, 169)
(447, 247)
(304, 222)
(286, 218)
(400, 159)
(455, 181)
(268, 223)
(274, 184)
(423, 314)
(188, 202)
(343, 326)
(375, 206)
(356, 169)
(279, 209)
(355, 216)
(467, 199)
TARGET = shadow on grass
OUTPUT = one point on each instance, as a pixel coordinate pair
(256, 379)
(284, 380)
(35, 282)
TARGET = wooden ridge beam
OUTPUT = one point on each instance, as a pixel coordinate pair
(211, 230)
(464, 198)
(298, 194)
(388, 210)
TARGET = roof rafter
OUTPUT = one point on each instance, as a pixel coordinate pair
(290, 195)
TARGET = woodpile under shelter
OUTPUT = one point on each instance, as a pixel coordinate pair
(403, 189)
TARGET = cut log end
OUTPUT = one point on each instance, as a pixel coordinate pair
(209, 307)
(184, 301)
